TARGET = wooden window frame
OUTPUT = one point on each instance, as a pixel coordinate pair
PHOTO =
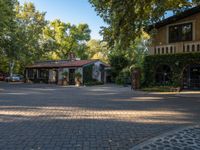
(181, 25)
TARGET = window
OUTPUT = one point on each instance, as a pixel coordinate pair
(43, 73)
(163, 74)
(181, 32)
(30, 73)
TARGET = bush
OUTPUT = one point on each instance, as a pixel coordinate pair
(93, 82)
(157, 89)
(65, 74)
(123, 77)
(78, 75)
(118, 61)
(177, 62)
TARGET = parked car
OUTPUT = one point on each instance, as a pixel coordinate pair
(2, 76)
(14, 78)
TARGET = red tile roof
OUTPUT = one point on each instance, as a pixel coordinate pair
(61, 63)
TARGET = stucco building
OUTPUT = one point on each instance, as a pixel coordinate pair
(174, 54)
(52, 71)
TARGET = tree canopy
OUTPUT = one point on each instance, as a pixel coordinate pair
(26, 36)
(67, 38)
(98, 50)
(127, 18)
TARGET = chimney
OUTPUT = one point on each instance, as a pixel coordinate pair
(71, 56)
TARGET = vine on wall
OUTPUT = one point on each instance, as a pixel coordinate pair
(177, 62)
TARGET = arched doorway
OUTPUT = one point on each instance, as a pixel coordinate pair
(163, 74)
(191, 77)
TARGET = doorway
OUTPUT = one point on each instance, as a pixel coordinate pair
(191, 77)
(72, 76)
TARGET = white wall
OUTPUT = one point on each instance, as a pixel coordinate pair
(60, 72)
(80, 70)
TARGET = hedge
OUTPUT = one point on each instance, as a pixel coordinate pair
(177, 62)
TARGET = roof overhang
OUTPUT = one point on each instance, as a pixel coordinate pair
(175, 18)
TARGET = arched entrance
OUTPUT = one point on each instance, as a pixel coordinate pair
(191, 77)
(163, 74)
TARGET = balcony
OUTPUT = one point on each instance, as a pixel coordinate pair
(182, 47)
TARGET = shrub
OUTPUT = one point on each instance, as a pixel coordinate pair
(123, 77)
(65, 74)
(78, 75)
(177, 62)
(93, 82)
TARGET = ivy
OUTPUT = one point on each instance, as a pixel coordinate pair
(87, 73)
(177, 62)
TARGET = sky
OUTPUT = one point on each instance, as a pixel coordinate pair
(73, 11)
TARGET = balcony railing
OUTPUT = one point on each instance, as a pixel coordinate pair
(183, 47)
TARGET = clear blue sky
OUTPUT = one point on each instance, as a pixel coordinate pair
(73, 11)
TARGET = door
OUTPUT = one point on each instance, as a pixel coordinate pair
(195, 76)
(191, 77)
(72, 76)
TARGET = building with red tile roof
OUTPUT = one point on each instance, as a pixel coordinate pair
(52, 71)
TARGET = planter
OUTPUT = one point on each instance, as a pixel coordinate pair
(78, 77)
(65, 82)
(78, 82)
(65, 77)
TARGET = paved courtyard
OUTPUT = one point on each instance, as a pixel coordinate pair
(109, 117)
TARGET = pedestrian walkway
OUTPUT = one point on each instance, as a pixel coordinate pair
(183, 139)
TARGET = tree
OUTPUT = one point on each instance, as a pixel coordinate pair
(6, 14)
(98, 50)
(22, 43)
(68, 38)
(127, 18)
(118, 61)
(7, 33)
(31, 24)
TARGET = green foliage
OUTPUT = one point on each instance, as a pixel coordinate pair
(177, 62)
(157, 89)
(98, 50)
(123, 77)
(67, 38)
(87, 73)
(118, 61)
(127, 18)
(25, 36)
(128, 59)
(93, 82)
(65, 74)
(31, 23)
(6, 14)
(22, 40)
(78, 75)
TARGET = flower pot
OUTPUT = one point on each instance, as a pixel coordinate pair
(78, 82)
(65, 83)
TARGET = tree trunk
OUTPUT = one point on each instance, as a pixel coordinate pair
(11, 66)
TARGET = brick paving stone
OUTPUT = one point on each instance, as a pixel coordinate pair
(39, 116)
(181, 139)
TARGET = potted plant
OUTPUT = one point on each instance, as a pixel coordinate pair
(65, 77)
(78, 76)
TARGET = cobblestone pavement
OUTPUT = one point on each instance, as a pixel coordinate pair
(183, 139)
(106, 117)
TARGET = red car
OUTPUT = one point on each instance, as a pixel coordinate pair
(2, 77)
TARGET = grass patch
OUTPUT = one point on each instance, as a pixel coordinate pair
(158, 89)
(93, 83)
